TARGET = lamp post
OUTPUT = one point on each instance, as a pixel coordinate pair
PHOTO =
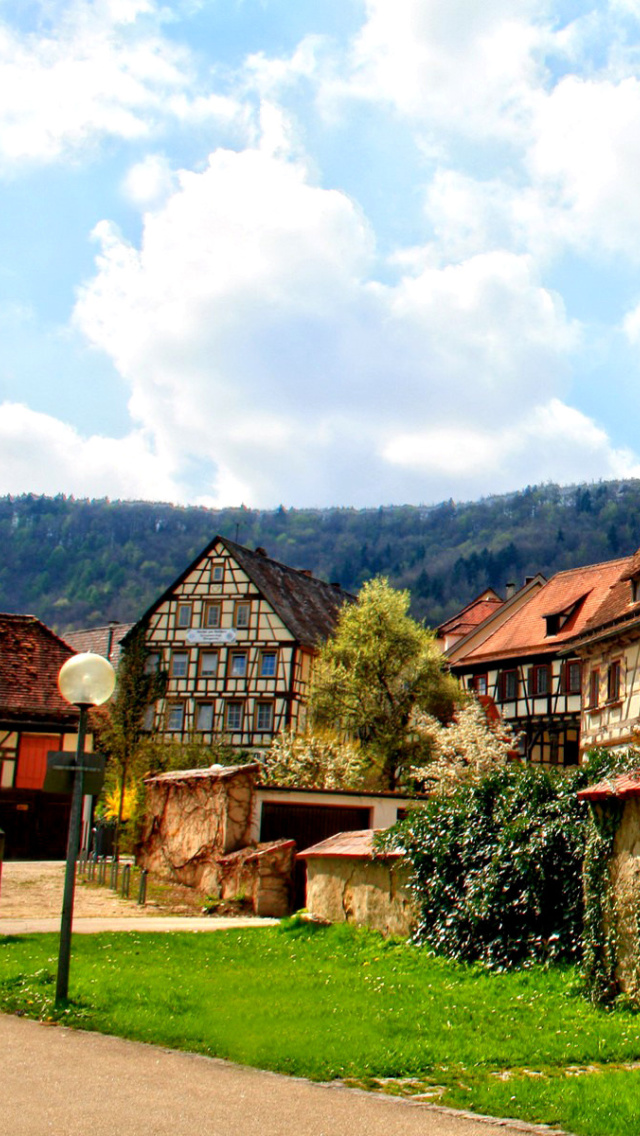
(85, 680)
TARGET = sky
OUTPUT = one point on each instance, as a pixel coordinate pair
(355, 252)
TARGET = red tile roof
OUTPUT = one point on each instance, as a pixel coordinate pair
(357, 845)
(626, 785)
(580, 592)
(30, 658)
(472, 615)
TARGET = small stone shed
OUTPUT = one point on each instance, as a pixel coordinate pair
(197, 831)
(616, 807)
(348, 881)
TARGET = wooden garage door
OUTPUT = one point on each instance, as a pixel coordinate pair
(32, 759)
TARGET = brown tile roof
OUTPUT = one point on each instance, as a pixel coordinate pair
(358, 845)
(100, 640)
(626, 785)
(307, 606)
(210, 773)
(30, 658)
(578, 592)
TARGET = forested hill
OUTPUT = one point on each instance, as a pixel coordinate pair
(79, 563)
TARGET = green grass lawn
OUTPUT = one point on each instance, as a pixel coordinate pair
(338, 1002)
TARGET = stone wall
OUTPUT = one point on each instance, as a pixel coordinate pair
(192, 818)
(624, 876)
(372, 892)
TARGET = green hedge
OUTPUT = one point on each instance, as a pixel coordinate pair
(498, 866)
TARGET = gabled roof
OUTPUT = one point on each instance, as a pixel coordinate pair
(473, 614)
(578, 591)
(30, 658)
(307, 606)
(100, 640)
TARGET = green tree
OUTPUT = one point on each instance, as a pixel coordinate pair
(121, 733)
(375, 670)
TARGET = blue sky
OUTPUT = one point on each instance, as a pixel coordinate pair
(359, 252)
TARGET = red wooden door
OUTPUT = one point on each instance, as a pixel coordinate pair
(32, 759)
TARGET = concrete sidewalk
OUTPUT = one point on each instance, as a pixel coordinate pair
(96, 923)
(70, 1083)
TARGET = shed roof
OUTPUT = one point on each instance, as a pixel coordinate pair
(356, 845)
(210, 773)
(625, 785)
(31, 655)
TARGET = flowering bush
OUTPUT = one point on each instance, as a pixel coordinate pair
(316, 761)
(464, 751)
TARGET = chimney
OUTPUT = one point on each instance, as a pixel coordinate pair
(528, 579)
(261, 551)
(510, 590)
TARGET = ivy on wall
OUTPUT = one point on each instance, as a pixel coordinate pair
(515, 870)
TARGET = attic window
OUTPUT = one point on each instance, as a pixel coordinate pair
(553, 623)
(635, 590)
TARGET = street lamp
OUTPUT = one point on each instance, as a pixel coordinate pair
(85, 680)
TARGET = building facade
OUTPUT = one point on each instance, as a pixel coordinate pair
(526, 660)
(34, 719)
(236, 635)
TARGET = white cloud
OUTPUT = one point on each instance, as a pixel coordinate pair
(253, 334)
(553, 442)
(149, 182)
(103, 70)
(454, 63)
(49, 456)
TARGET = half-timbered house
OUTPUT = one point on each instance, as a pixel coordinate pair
(525, 661)
(34, 720)
(609, 650)
(236, 635)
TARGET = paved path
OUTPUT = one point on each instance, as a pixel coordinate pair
(69, 1083)
(97, 923)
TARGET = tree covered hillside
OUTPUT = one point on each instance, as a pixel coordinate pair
(77, 563)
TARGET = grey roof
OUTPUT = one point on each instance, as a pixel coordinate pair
(100, 640)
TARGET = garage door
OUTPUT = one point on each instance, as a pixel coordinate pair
(307, 825)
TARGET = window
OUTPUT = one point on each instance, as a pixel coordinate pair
(540, 680)
(152, 663)
(238, 664)
(594, 688)
(268, 664)
(212, 614)
(241, 614)
(179, 664)
(218, 573)
(208, 664)
(264, 717)
(233, 717)
(149, 718)
(175, 716)
(479, 684)
(183, 615)
(613, 681)
(204, 717)
(508, 686)
(572, 677)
